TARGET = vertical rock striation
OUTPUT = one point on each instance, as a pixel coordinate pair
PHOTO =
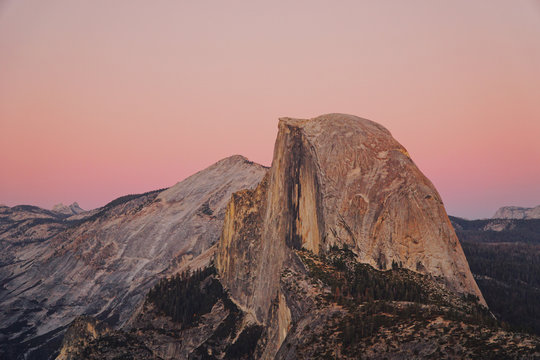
(335, 180)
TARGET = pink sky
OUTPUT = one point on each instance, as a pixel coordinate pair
(100, 99)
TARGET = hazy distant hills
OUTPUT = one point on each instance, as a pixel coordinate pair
(504, 256)
(515, 212)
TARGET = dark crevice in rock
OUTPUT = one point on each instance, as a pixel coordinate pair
(301, 171)
(294, 188)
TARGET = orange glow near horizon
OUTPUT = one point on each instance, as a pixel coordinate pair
(99, 100)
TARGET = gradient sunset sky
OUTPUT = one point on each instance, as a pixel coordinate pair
(100, 99)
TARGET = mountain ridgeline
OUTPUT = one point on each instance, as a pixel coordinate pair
(516, 212)
(341, 249)
(55, 267)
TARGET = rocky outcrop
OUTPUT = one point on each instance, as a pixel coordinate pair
(106, 343)
(81, 332)
(205, 324)
(515, 212)
(335, 180)
(101, 263)
(69, 210)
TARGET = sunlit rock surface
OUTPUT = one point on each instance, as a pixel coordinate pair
(335, 180)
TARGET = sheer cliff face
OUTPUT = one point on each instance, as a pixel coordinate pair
(335, 180)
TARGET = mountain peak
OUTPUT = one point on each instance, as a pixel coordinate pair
(236, 168)
(337, 180)
(72, 209)
(234, 158)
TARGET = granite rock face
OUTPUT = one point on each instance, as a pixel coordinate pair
(73, 209)
(515, 212)
(102, 263)
(335, 180)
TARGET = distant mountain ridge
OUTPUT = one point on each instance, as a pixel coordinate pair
(73, 209)
(516, 212)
